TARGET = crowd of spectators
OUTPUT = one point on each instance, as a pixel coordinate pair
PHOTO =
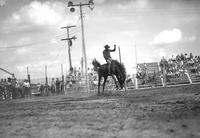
(5, 88)
(57, 86)
(10, 88)
(180, 63)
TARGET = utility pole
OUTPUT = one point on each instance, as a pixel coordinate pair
(72, 9)
(69, 45)
(135, 77)
(28, 75)
(61, 70)
(136, 54)
(120, 59)
(62, 76)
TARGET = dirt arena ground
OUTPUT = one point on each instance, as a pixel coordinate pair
(151, 113)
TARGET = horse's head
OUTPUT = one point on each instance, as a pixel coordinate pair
(96, 64)
(121, 82)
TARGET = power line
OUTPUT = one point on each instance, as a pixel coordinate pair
(29, 44)
(24, 45)
(75, 32)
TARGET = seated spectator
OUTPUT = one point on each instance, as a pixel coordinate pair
(182, 57)
(198, 59)
(185, 56)
(191, 56)
(195, 59)
(139, 71)
(173, 58)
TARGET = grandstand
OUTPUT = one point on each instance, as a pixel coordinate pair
(195, 78)
(151, 67)
(178, 70)
(149, 75)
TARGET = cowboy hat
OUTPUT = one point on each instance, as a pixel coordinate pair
(106, 46)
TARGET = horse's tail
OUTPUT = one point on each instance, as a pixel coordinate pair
(96, 63)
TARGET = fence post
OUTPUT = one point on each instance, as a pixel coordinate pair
(163, 75)
(188, 76)
(135, 81)
(46, 81)
(163, 81)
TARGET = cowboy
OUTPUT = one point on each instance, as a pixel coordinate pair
(106, 55)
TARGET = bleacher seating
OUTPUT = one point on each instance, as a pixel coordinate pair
(151, 67)
(152, 77)
(194, 77)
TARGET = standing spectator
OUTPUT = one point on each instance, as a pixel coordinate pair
(21, 89)
(53, 86)
(1, 90)
(41, 89)
(9, 89)
(62, 86)
(5, 89)
(26, 86)
(14, 88)
(57, 86)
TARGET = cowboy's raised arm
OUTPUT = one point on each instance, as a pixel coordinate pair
(113, 49)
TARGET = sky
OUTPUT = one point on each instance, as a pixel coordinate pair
(145, 31)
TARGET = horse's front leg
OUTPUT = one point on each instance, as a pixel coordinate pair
(99, 84)
(104, 82)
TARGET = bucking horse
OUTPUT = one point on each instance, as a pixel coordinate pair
(117, 70)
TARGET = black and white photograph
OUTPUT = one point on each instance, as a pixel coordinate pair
(99, 69)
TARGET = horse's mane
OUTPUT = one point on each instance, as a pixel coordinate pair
(96, 63)
(122, 68)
